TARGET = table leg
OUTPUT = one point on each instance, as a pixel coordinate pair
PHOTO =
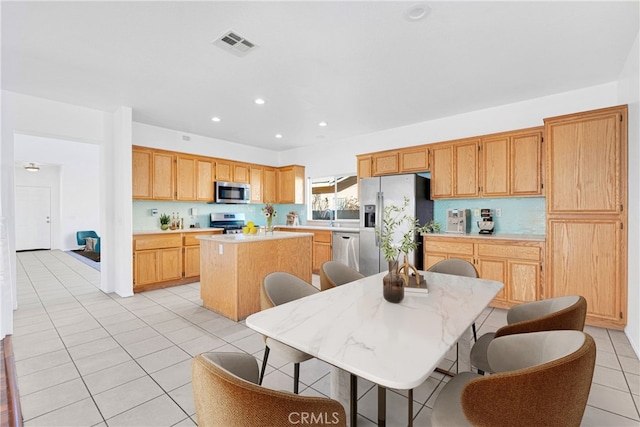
(464, 351)
(410, 406)
(353, 410)
(343, 386)
(382, 406)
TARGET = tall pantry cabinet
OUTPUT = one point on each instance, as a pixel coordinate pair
(586, 176)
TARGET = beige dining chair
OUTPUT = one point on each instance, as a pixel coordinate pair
(540, 379)
(226, 393)
(457, 267)
(279, 288)
(334, 273)
(568, 312)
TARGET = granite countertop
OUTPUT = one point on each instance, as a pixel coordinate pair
(251, 238)
(322, 227)
(184, 230)
(495, 236)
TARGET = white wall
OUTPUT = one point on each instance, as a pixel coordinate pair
(629, 93)
(168, 139)
(78, 203)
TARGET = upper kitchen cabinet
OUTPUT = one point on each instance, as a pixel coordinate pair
(364, 165)
(142, 173)
(512, 164)
(454, 169)
(163, 176)
(386, 163)
(224, 170)
(269, 185)
(241, 173)
(204, 179)
(152, 174)
(414, 160)
(186, 171)
(291, 184)
(194, 178)
(256, 173)
(586, 161)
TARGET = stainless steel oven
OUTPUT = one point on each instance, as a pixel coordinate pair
(231, 192)
(232, 223)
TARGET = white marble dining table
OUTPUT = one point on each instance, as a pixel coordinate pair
(395, 345)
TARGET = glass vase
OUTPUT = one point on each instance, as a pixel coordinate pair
(269, 229)
(393, 284)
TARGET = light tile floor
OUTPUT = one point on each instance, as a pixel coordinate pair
(87, 358)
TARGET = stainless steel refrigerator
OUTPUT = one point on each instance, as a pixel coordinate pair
(375, 194)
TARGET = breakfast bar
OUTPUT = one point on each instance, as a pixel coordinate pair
(232, 267)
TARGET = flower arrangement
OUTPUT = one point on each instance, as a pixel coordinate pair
(269, 212)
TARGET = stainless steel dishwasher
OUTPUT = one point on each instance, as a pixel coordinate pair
(346, 248)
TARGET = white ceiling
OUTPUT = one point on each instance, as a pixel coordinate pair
(362, 66)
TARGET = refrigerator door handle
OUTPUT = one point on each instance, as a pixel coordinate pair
(379, 219)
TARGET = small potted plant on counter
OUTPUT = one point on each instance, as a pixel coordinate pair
(164, 221)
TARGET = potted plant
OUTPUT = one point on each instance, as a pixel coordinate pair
(164, 221)
(395, 216)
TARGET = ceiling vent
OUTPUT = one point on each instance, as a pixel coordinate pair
(234, 43)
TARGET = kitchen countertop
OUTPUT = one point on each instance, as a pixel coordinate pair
(184, 230)
(321, 227)
(252, 238)
(496, 236)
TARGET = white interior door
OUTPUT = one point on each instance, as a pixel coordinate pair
(33, 218)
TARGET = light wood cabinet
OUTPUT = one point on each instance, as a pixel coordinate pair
(224, 171)
(321, 245)
(142, 171)
(204, 179)
(186, 170)
(517, 264)
(269, 185)
(512, 164)
(156, 258)
(364, 166)
(413, 160)
(241, 173)
(163, 176)
(194, 178)
(256, 184)
(586, 176)
(166, 259)
(291, 184)
(385, 163)
(454, 170)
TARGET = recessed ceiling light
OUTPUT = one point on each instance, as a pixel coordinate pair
(215, 119)
(278, 135)
(417, 12)
(322, 124)
(259, 101)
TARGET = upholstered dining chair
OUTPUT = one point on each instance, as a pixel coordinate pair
(540, 379)
(457, 267)
(568, 312)
(279, 288)
(226, 393)
(334, 273)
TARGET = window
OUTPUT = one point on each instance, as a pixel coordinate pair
(334, 198)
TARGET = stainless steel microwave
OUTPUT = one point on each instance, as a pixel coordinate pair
(231, 192)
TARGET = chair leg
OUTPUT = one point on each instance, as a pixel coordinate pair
(480, 371)
(475, 336)
(296, 377)
(264, 364)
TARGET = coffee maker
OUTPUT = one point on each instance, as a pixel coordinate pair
(486, 223)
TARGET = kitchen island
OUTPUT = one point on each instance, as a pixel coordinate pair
(232, 267)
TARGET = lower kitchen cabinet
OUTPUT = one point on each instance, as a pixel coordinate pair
(162, 260)
(516, 263)
(321, 246)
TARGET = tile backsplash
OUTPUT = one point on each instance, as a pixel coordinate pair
(142, 219)
(525, 215)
